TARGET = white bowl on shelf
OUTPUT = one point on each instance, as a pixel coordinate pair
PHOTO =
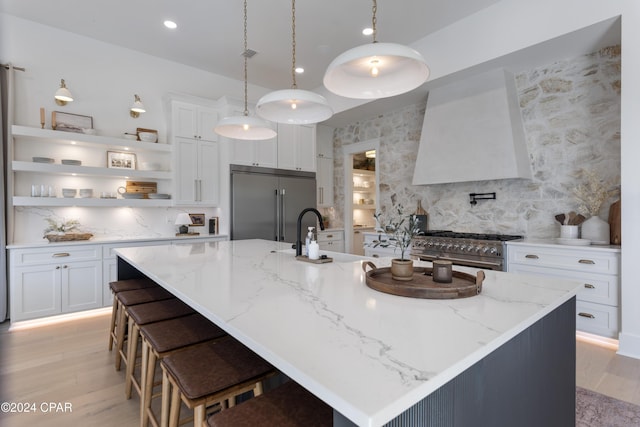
(69, 192)
(130, 136)
(86, 193)
(148, 136)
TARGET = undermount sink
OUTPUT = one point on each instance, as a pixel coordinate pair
(336, 256)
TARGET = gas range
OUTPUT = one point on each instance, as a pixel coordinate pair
(467, 249)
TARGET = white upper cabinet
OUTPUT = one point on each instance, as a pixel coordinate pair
(297, 147)
(194, 121)
(197, 173)
(255, 153)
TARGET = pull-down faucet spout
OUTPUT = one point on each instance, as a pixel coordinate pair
(299, 227)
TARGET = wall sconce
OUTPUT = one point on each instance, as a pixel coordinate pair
(63, 95)
(137, 107)
(183, 220)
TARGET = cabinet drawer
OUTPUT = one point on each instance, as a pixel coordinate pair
(331, 236)
(570, 259)
(596, 288)
(26, 257)
(597, 319)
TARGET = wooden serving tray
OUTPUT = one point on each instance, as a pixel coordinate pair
(68, 237)
(422, 285)
(314, 261)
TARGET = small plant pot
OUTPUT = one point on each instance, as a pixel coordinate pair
(402, 269)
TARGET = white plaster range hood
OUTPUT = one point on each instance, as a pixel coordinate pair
(473, 131)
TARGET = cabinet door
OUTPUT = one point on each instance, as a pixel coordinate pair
(207, 118)
(306, 148)
(324, 182)
(81, 286)
(186, 171)
(109, 274)
(266, 153)
(358, 242)
(286, 146)
(184, 120)
(243, 152)
(35, 292)
(208, 174)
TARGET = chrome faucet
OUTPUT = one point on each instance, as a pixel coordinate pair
(299, 227)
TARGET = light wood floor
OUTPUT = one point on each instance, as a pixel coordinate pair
(69, 362)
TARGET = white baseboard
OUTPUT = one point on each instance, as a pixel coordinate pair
(629, 345)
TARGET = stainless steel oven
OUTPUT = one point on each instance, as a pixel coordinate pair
(464, 249)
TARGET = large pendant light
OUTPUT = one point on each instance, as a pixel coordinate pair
(245, 127)
(294, 106)
(376, 70)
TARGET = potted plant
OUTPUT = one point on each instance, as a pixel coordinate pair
(397, 229)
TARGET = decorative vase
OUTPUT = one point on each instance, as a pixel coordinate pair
(402, 269)
(596, 230)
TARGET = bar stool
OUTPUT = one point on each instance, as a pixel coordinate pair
(208, 374)
(288, 405)
(159, 340)
(119, 286)
(143, 314)
(129, 298)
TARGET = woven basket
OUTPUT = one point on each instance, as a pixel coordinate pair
(68, 237)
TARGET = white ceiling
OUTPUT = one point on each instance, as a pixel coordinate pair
(210, 34)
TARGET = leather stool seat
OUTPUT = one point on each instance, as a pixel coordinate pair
(119, 286)
(143, 314)
(163, 338)
(128, 298)
(211, 373)
(288, 405)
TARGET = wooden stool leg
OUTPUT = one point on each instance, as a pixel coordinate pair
(132, 352)
(258, 390)
(174, 412)
(120, 335)
(114, 314)
(148, 385)
(166, 389)
(199, 415)
(144, 416)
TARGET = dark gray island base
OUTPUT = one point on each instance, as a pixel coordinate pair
(530, 381)
(527, 381)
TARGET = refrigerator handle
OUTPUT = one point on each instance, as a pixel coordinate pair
(276, 194)
(284, 216)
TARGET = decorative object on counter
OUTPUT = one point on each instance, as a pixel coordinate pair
(41, 118)
(314, 250)
(474, 197)
(245, 127)
(570, 231)
(615, 224)
(422, 216)
(137, 107)
(183, 220)
(294, 106)
(376, 70)
(121, 160)
(214, 225)
(147, 135)
(591, 195)
(197, 220)
(62, 95)
(64, 231)
(68, 122)
(442, 272)
(397, 230)
(423, 284)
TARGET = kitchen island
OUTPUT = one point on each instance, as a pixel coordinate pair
(504, 357)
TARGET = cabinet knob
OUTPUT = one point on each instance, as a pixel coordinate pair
(531, 256)
(57, 267)
(65, 266)
(586, 261)
(375, 256)
(589, 286)
(587, 315)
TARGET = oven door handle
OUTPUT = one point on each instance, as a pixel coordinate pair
(463, 262)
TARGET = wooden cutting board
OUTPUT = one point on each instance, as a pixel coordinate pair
(142, 187)
(614, 224)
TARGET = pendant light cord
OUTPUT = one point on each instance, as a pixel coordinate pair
(374, 10)
(245, 54)
(293, 44)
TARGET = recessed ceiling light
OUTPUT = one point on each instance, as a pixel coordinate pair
(367, 31)
(299, 70)
(170, 24)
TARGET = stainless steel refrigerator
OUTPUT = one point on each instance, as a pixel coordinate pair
(265, 203)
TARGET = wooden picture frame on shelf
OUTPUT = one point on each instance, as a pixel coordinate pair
(121, 160)
(213, 225)
(68, 122)
(197, 220)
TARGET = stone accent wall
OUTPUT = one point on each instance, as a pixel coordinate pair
(571, 115)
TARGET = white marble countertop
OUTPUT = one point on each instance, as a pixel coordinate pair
(368, 354)
(553, 243)
(107, 240)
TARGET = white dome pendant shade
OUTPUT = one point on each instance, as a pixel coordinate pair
(245, 127)
(294, 106)
(376, 70)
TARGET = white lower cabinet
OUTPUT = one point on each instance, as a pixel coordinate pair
(332, 240)
(596, 268)
(50, 281)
